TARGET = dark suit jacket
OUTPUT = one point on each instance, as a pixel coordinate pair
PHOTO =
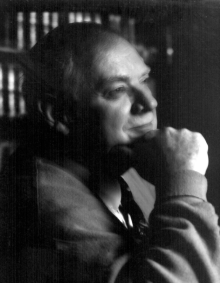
(54, 229)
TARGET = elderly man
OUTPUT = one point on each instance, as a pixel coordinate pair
(68, 215)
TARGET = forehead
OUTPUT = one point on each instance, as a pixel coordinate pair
(118, 60)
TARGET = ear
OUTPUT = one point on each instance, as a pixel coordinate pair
(48, 112)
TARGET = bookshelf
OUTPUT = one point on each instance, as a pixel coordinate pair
(21, 30)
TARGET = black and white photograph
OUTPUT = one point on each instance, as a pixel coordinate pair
(109, 141)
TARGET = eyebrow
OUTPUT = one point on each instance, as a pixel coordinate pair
(101, 82)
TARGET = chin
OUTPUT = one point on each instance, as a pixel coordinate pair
(134, 137)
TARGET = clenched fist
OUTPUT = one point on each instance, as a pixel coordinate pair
(180, 149)
(161, 153)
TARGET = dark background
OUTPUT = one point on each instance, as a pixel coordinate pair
(186, 82)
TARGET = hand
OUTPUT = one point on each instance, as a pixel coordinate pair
(183, 150)
(173, 150)
(162, 152)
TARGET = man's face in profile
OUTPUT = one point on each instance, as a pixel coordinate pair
(122, 99)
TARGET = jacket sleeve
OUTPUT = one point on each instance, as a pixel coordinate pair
(184, 241)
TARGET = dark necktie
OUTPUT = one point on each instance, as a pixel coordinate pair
(130, 209)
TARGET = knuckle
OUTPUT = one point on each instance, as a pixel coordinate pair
(169, 131)
(205, 145)
(199, 137)
(185, 132)
(201, 140)
(165, 130)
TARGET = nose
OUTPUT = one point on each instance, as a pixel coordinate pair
(144, 101)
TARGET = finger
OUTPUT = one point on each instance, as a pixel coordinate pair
(151, 134)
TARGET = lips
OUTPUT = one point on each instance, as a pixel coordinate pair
(142, 128)
(140, 125)
(142, 120)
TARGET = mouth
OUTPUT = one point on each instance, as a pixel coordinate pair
(139, 127)
(142, 128)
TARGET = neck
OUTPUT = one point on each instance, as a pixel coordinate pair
(110, 192)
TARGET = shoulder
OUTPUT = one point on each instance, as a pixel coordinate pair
(57, 175)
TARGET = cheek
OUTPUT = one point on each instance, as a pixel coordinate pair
(113, 117)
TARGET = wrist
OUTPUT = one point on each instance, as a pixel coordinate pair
(182, 183)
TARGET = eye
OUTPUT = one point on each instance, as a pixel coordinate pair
(115, 93)
(146, 80)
